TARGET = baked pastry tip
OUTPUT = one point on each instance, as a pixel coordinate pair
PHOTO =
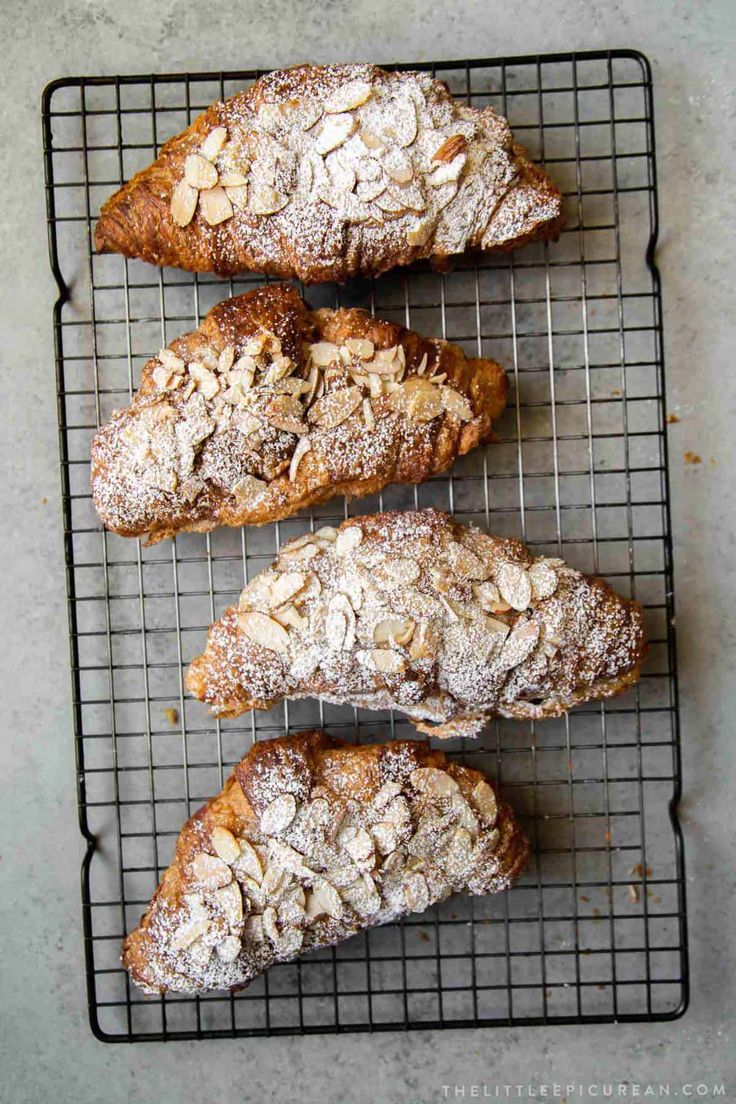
(414, 611)
(330, 172)
(270, 407)
(310, 841)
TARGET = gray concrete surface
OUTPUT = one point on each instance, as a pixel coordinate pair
(47, 1050)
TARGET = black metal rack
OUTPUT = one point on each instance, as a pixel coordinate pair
(596, 930)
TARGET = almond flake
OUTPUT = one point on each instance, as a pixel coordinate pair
(209, 871)
(248, 489)
(464, 562)
(324, 900)
(389, 203)
(394, 630)
(363, 896)
(368, 190)
(424, 643)
(238, 196)
(514, 585)
(285, 586)
(183, 203)
(289, 859)
(216, 207)
(455, 403)
(199, 173)
(277, 816)
(290, 617)
(229, 949)
(348, 539)
(301, 553)
(416, 892)
(418, 398)
(421, 232)
(226, 359)
(450, 148)
(188, 933)
(447, 173)
(247, 863)
(361, 347)
(430, 780)
(485, 802)
(213, 143)
(165, 379)
(370, 140)
(206, 381)
(269, 924)
(170, 360)
(233, 180)
(519, 644)
(266, 201)
(357, 843)
(386, 662)
(386, 836)
(225, 844)
(347, 96)
(285, 412)
(333, 132)
(543, 579)
(336, 407)
(229, 901)
(402, 122)
(398, 166)
(324, 353)
(368, 415)
(263, 630)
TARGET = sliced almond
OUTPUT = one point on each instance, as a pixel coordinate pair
(361, 347)
(324, 900)
(170, 360)
(418, 398)
(300, 553)
(270, 927)
(263, 630)
(357, 842)
(253, 930)
(363, 896)
(519, 644)
(368, 190)
(347, 96)
(226, 359)
(389, 203)
(422, 231)
(285, 412)
(199, 173)
(436, 783)
(348, 539)
(424, 642)
(265, 200)
(514, 585)
(398, 166)
(248, 863)
(289, 617)
(278, 815)
(209, 871)
(229, 949)
(447, 173)
(368, 415)
(248, 489)
(165, 379)
(396, 630)
(464, 562)
(370, 139)
(183, 203)
(225, 844)
(386, 836)
(416, 892)
(229, 901)
(238, 196)
(286, 586)
(450, 148)
(233, 180)
(188, 932)
(485, 802)
(216, 207)
(386, 661)
(206, 381)
(289, 859)
(543, 579)
(457, 404)
(401, 124)
(324, 353)
(333, 132)
(214, 143)
(336, 407)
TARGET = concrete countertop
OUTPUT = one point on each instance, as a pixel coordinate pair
(48, 1050)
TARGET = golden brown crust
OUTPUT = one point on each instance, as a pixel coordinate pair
(148, 479)
(324, 230)
(453, 833)
(416, 612)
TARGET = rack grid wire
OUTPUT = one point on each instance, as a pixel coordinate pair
(596, 929)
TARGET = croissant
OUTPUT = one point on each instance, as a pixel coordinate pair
(310, 841)
(329, 172)
(269, 407)
(416, 612)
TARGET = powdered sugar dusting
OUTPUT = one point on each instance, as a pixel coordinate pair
(369, 834)
(416, 612)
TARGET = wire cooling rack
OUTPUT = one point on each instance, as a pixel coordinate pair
(596, 930)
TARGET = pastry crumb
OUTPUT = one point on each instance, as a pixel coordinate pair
(172, 716)
(672, 419)
(692, 457)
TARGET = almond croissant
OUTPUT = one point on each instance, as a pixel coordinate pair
(269, 407)
(311, 841)
(329, 172)
(416, 612)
